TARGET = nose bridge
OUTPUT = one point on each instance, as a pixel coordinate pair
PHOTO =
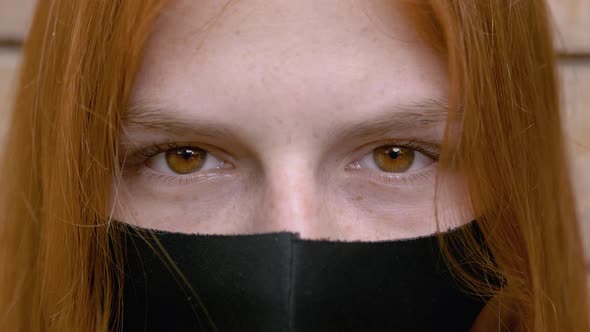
(290, 202)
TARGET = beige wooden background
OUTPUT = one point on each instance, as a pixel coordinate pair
(572, 36)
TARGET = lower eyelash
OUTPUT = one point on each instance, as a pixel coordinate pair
(159, 179)
(414, 179)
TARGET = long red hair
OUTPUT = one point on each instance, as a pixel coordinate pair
(503, 134)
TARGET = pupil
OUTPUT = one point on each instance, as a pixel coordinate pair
(394, 153)
(185, 154)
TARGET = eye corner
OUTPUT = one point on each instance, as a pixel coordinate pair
(353, 165)
(227, 165)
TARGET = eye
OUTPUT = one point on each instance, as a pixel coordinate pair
(395, 159)
(183, 160)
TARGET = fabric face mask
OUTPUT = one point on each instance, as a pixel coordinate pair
(279, 282)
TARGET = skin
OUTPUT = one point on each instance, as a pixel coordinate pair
(287, 80)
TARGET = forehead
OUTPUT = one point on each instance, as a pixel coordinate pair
(285, 60)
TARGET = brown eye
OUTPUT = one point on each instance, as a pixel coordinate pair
(393, 159)
(185, 160)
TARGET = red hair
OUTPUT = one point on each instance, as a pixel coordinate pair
(503, 135)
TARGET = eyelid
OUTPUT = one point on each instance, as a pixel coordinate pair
(155, 177)
(424, 176)
(188, 179)
(431, 150)
(138, 156)
(401, 180)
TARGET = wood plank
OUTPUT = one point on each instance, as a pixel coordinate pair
(571, 20)
(575, 85)
(15, 17)
(9, 59)
(572, 25)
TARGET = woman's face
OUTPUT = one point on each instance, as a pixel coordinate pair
(316, 117)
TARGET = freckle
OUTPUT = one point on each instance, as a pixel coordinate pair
(237, 32)
(359, 198)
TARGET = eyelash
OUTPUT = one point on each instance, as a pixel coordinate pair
(429, 149)
(138, 158)
(155, 149)
(396, 179)
(432, 151)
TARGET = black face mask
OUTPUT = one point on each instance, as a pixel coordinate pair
(279, 282)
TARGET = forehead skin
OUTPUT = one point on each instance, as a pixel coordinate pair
(284, 77)
(288, 68)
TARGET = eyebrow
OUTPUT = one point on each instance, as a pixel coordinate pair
(415, 115)
(422, 114)
(149, 117)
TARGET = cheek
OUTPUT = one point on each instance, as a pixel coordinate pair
(403, 212)
(387, 212)
(205, 208)
(352, 209)
(453, 201)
